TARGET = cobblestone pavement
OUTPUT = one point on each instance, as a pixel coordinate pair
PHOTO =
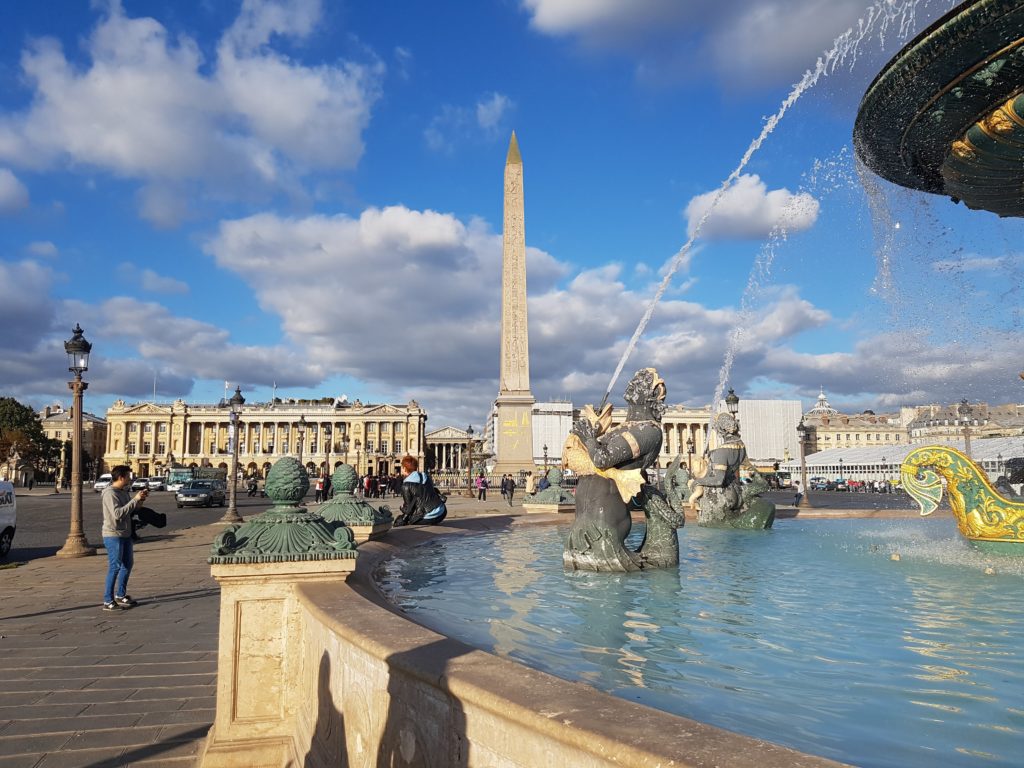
(85, 687)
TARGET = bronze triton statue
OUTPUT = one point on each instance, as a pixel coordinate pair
(718, 493)
(611, 464)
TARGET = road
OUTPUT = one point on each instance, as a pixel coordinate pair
(43, 520)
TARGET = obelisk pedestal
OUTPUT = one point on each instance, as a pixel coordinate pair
(513, 439)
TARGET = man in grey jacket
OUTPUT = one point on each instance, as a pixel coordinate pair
(117, 536)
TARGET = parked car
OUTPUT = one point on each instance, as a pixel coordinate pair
(157, 484)
(140, 483)
(201, 493)
(8, 517)
(102, 482)
(841, 485)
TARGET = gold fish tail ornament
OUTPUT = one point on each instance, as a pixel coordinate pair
(983, 515)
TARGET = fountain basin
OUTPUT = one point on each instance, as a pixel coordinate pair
(811, 635)
(944, 115)
(374, 688)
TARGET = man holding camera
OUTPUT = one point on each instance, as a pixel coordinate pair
(117, 536)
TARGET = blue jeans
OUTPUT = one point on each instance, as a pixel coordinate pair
(121, 557)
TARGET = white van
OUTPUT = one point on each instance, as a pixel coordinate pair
(102, 482)
(8, 517)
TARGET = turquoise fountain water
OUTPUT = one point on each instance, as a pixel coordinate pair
(809, 635)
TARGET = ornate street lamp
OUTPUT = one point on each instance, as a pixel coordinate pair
(732, 402)
(469, 457)
(999, 464)
(545, 459)
(964, 410)
(344, 446)
(236, 402)
(78, 350)
(801, 431)
(885, 470)
(328, 433)
(840, 470)
(690, 446)
(301, 429)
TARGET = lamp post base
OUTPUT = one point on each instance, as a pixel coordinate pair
(76, 546)
(231, 517)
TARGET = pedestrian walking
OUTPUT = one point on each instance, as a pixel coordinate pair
(531, 484)
(510, 489)
(319, 490)
(799, 494)
(481, 488)
(118, 506)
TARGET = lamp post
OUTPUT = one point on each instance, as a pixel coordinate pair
(469, 461)
(801, 431)
(344, 446)
(840, 470)
(545, 459)
(78, 350)
(301, 429)
(732, 402)
(885, 470)
(329, 434)
(236, 402)
(999, 465)
(964, 411)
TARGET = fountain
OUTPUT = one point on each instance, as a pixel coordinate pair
(946, 116)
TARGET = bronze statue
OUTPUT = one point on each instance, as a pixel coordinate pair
(718, 493)
(611, 464)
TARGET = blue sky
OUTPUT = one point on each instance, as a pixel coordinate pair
(311, 194)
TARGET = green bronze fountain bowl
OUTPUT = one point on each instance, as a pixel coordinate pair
(946, 115)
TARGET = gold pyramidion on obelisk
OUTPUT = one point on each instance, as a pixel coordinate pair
(513, 440)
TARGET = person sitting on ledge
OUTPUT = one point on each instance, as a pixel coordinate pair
(421, 502)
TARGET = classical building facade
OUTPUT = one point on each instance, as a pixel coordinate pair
(944, 424)
(447, 450)
(827, 428)
(151, 437)
(58, 424)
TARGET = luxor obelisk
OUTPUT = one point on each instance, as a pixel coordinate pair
(514, 434)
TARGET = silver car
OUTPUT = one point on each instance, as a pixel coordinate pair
(157, 484)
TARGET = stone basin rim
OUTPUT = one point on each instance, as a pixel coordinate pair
(572, 713)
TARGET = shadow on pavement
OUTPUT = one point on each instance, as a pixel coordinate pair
(171, 597)
(149, 751)
(26, 554)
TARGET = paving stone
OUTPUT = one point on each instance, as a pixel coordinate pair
(38, 711)
(52, 662)
(20, 761)
(202, 702)
(48, 685)
(88, 696)
(181, 716)
(172, 693)
(67, 673)
(153, 681)
(25, 697)
(86, 758)
(175, 668)
(31, 745)
(113, 737)
(117, 707)
(70, 724)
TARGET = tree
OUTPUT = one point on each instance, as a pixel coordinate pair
(21, 431)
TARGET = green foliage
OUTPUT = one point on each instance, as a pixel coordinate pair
(21, 431)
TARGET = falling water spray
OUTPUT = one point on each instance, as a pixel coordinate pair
(881, 17)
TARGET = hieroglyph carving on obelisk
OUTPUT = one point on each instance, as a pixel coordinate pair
(514, 444)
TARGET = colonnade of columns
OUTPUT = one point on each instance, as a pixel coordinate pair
(676, 435)
(449, 456)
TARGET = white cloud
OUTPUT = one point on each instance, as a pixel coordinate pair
(13, 194)
(489, 111)
(454, 124)
(149, 107)
(155, 283)
(43, 248)
(746, 43)
(971, 264)
(748, 210)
